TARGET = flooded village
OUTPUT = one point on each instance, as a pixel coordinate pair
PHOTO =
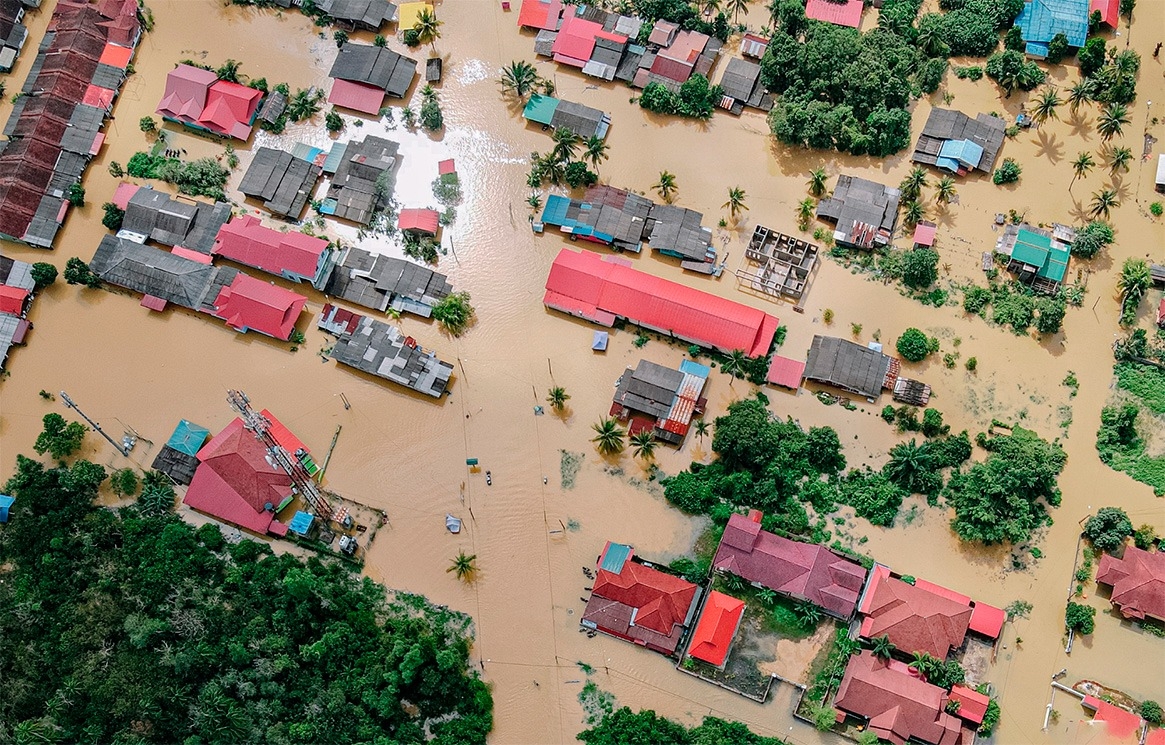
(418, 351)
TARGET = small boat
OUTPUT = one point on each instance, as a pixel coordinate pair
(489, 480)
(452, 524)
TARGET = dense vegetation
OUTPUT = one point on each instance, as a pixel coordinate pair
(1108, 528)
(1018, 306)
(1118, 442)
(625, 727)
(133, 627)
(696, 99)
(679, 12)
(201, 177)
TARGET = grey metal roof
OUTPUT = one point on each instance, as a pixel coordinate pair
(176, 464)
(44, 226)
(373, 65)
(544, 43)
(14, 117)
(947, 124)
(354, 184)
(608, 52)
(380, 349)
(629, 65)
(740, 79)
(678, 229)
(16, 273)
(273, 106)
(284, 182)
(375, 281)
(154, 215)
(582, 120)
(108, 76)
(209, 219)
(84, 124)
(649, 388)
(152, 271)
(370, 14)
(846, 365)
(857, 200)
(9, 327)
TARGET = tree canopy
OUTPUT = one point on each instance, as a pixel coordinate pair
(625, 727)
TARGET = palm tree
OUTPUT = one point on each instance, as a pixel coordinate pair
(1103, 202)
(1080, 94)
(519, 77)
(557, 398)
(817, 180)
(595, 151)
(909, 464)
(644, 442)
(734, 364)
(912, 186)
(766, 596)
(931, 42)
(1081, 166)
(701, 428)
(1112, 121)
(565, 144)
(919, 661)
(735, 203)
(805, 211)
(882, 647)
(428, 28)
(1135, 280)
(1118, 159)
(710, 7)
(666, 186)
(945, 190)
(914, 212)
(1046, 104)
(554, 169)
(463, 566)
(534, 201)
(609, 436)
(734, 7)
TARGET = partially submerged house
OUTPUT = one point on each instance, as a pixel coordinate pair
(846, 13)
(955, 142)
(419, 221)
(281, 181)
(742, 87)
(178, 458)
(1037, 256)
(678, 232)
(381, 349)
(605, 289)
(12, 32)
(685, 54)
(850, 366)
(16, 288)
(157, 216)
(634, 601)
(719, 621)
(540, 14)
(163, 277)
(249, 304)
(197, 99)
(378, 282)
(1041, 20)
(661, 400)
(865, 212)
(897, 705)
(782, 264)
(368, 15)
(584, 121)
(1137, 580)
(364, 74)
(363, 182)
(803, 571)
(291, 255)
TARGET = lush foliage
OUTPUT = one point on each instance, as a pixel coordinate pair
(1005, 498)
(920, 268)
(914, 345)
(59, 438)
(1080, 618)
(130, 628)
(872, 495)
(333, 122)
(1092, 239)
(1011, 70)
(1151, 712)
(431, 117)
(1007, 173)
(200, 177)
(43, 274)
(696, 98)
(454, 312)
(624, 727)
(1108, 528)
(75, 194)
(112, 217)
(77, 272)
(1117, 441)
(678, 12)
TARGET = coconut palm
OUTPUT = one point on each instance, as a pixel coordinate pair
(463, 566)
(1046, 104)
(710, 7)
(882, 647)
(557, 397)
(735, 203)
(930, 40)
(1080, 94)
(595, 150)
(734, 364)
(1103, 202)
(1119, 159)
(644, 442)
(566, 143)
(909, 465)
(701, 428)
(534, 201)
(913, 212)
(734, 7)
(520, 78)
(945, 190)
(805, 211)
(1135, 280)
(428, 28)
(1112, 121)
(666, 186)
(553, 169)
(912, 186)
(609, 436)
(817, 179)
(766, 596)
(1081, 166)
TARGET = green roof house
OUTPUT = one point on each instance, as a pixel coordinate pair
(1037, 256)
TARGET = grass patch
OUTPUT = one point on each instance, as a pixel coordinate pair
(597, 704)
(569, 467)
(1146, 382)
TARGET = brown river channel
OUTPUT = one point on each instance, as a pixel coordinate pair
(406, 453)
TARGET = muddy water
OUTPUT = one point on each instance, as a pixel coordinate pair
(406, 453)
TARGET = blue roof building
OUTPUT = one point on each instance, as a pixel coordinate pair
(959, 156)
(301, 523)
(5, 503)
(1041, 20)
(188, 438)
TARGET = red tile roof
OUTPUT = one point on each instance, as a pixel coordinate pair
(786, 372)
(196, 96)
(986, 620)
(898, 705)
(1122, 723)
(245, 240)
(234, 482)
(419, 220)
(584, 284)
(116, 55)
(1137, 580)
(715, 629)
(186, 253)
(1109, 11)
(576, 39)
(123, 193)
(972, 704)
(12, 300)
(446, 167)
(805, 571)
(839, 12)
(915, 618)
(540, 14)
(251, 305)
(284, 437)
(924, 233)
(356, 96)
(185, 94)
(641, 604)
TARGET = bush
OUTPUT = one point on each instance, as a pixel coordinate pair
(1091, 239)
(932, 423)
(971, 364)
(59, 438)
(147, 124)
(1007, 173)
(974, 72)
(1144, 537)
(431, 117)
(1151, 712)
(1080, 618)
(913, 345)
(77, 272)
(76, 194)
(113, 216)
(333, 122)
(888, 414)
(920, 268)
(43, 274)
(1156, 209)
(1108, 528)
(578, 175)
(1051, 314)
(976, 299)
(454, 312)
(872, 495)
(1058, 49)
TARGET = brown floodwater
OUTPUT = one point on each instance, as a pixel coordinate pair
(406, 453)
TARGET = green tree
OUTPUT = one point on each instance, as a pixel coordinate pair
(1151, 712)
(1008, 172)
(229, 71)
(557, 397)
(817, 181)
(427, 27)
(1112, 121)
(701, 428)
(1046, 104)
(1108, 528)
(76, 194)
(1119, 159)
(566, 144)
(609, 436)
(454, 312)
(333, 122)
(1080, 618)
(147, 124)
(431, 117)
(59, 438)
(1051, 314)
(113, 216)
(1091, 239)
(578, 175)
(910, 467)
(666, 186)
(644, 444)
(914, 183)
(463, 566)
(1103, 202)
(157, 498)
(735, 204)
(920, 268)
(805, 212)
(913, 212)
(595, 151)
(882, 647)
(1091, 56)
(124, 482)
(1144, 537)
(379, 41)
(735, 7)
(77, 273)
(913, 345)
(945, 190)
(1058, 49)
(43, 274)
(735, 363)
(1081, 167)
(1081, 92)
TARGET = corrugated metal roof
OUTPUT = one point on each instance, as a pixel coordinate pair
(846, 365)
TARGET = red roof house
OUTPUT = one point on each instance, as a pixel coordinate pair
(1123, 725)
(292, 255)
(587, 285)
(640, 604)
(785, 372)
(446, 167)
(1161, 314)
(13, 300)
(924, 233)
(972, 704)
(362, 97)
(235, 483)
(1109, 11)
(540, 14)
(198, 99)
(248, 304)
(838, 12)
(715, 629)
(576, 39)
(915, 618)
(898, 705)
(805, 571)
(1138, 582)
(415, 220)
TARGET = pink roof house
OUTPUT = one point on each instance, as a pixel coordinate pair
(291, 255)
(197, 98)
(251, 305)
(424, 221)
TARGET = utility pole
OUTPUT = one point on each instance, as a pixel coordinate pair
(70, 404)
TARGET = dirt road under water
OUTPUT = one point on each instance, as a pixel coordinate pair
(406, 454)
